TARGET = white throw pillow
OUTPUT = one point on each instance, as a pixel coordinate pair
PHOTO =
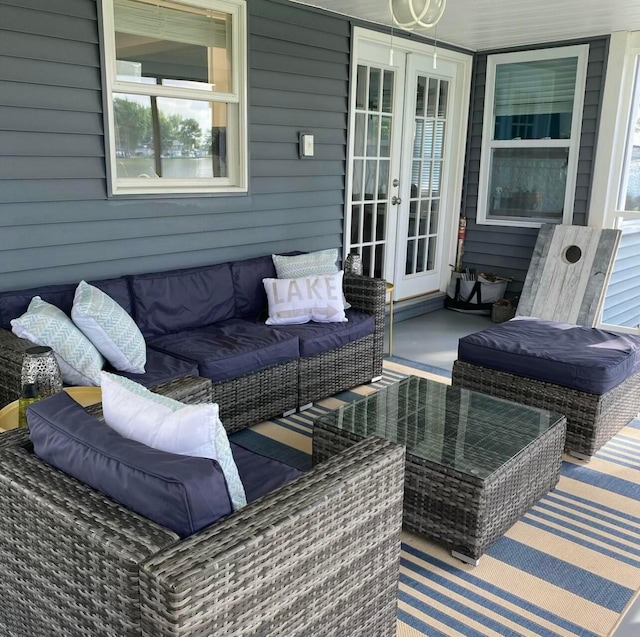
(109, 328)
(310, 298)
(169, 425)
(44, 324)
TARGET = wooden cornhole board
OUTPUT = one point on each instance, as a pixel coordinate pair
(568, 274)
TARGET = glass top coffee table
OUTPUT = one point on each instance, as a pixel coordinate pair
(474, 465)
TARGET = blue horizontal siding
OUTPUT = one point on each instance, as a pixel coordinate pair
(58, 224)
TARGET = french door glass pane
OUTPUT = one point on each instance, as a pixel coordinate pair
(361, 86)
(371, 166)
(387, 92)
(428, 155)
(374, 89)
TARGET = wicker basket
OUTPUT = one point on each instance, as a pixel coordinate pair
(501, 313)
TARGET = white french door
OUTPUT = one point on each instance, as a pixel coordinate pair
(408, 129)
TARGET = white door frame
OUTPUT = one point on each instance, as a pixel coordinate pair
(460, 95)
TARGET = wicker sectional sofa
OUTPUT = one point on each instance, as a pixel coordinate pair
(209, 321)
(318, 556)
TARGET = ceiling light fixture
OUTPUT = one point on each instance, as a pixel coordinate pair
(411, 14)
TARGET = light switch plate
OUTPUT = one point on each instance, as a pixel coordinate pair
(306, 145)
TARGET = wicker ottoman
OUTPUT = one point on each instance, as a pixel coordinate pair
(589, 375)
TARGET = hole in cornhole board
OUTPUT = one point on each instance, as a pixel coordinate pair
(572, 254)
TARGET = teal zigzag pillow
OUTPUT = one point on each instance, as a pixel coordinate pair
(45, 324)
(108, 326)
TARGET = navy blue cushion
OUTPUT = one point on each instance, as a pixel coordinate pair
(584, 358)
(182, 493)
(251, 299)
(166, 302)
(259, 474)
(161, 368)
(230, 348)
(14, 304)
(316, 338)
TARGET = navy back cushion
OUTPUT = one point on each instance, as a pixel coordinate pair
(181, 493)
(14, 304)
(247, 275)
(169, 302)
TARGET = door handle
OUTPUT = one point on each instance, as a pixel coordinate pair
(395, 200)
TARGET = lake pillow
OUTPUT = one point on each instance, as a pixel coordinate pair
(311, 298)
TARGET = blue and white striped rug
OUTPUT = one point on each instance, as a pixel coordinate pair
(570, 566)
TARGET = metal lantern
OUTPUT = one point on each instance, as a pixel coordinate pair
(353, 264)
(39, 367)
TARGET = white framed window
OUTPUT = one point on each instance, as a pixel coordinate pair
(621, 307)
(531, 136)
(176, 95)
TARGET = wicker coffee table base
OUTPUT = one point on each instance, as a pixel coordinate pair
(592, 419)
(465, 513)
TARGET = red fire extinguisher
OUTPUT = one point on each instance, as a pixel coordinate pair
(462, 231)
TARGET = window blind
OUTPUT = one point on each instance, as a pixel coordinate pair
(535, 88)
(161, 22)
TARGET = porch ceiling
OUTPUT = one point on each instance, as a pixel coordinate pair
(494, 24)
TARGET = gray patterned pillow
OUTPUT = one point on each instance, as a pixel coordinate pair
(310, 264)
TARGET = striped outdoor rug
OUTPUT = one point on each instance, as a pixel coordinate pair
(570, 566)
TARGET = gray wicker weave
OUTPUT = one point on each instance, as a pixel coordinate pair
(356, 363)
(319, 556)
(592, 419)
(474, 464)
(265, 393)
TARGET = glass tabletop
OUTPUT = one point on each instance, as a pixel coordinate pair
(460, 429)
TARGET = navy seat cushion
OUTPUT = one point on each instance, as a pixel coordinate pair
(260, 474)
(584, 358)
(161, 368)
(182, 493)
(316, 338)
(169, 302)
(14, 304)
(229, 349)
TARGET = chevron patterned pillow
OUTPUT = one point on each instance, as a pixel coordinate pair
(109, 328)
(45, 324)
(311, 263)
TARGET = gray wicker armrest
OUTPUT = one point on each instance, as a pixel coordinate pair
(365, 293)
(14, 438)
(317, 557)
(70, 555)
(12, 351)
(369, 295)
